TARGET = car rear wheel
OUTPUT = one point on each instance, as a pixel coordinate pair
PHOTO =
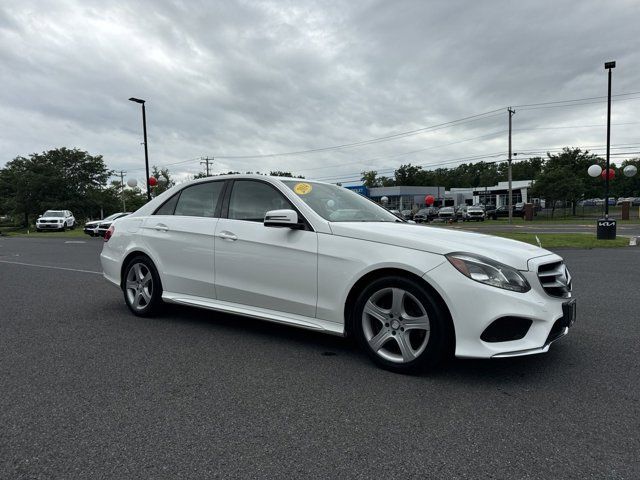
(141, 287)
(400, 325)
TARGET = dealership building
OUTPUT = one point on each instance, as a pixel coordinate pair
(410, 197)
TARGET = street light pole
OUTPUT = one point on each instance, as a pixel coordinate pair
(608, 66)
(511, 113)
(146, 151)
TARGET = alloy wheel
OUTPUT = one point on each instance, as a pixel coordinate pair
(139, 286)
(396, 325)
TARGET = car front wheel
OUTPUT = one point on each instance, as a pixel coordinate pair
(141, 287)
(400, 325)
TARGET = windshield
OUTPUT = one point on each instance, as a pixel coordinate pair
(53, 213)
(339, 204)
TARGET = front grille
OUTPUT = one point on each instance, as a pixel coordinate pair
(555, 279)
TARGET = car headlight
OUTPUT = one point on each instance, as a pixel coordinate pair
(489, 272)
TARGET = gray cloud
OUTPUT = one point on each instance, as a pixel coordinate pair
(244, 78)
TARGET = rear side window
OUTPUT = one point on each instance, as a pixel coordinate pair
(199, 200)
(169, 206)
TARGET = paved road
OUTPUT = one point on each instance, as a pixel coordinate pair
(89, 391)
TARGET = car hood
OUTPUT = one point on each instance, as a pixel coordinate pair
(95, 223)
(441, 241)
(50, 218)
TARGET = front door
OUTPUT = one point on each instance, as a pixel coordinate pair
(267, 267)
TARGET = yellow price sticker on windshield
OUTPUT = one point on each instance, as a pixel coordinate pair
(302, 188)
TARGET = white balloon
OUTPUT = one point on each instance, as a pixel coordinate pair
(162, 180)
(132, 182)
(630, 170)
(594, 170)
(384, 199)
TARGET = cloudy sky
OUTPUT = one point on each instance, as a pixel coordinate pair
(241, 81)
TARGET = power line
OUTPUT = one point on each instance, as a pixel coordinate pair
(447, 162)
(575, 100)
(469, 119)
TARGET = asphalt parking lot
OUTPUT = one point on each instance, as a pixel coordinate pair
(89, 391)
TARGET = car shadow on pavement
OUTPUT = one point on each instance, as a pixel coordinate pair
(469, 371)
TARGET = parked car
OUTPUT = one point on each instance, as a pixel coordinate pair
(104, 225)
(96, 228)
(407, 214)
(318, 256)
(635, 202)
(460, 211)
(473, 213)
(426, 215)
(499, 212)
(447, 213)
(55, 220)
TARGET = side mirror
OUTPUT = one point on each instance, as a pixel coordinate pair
(281, 218)
(39, 216)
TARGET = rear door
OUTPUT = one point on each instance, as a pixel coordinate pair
(180, 235)
(267, 267)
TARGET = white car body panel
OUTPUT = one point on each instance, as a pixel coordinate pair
(273, 268)
(184, 248)
(342, 261)
(303, 278)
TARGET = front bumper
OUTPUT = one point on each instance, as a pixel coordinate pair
(49, 226)
(474, 306)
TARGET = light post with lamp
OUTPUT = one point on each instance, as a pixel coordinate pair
(144, 131)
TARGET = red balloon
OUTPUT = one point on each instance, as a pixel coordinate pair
(429, 199)
(612, 174)
(153, 181)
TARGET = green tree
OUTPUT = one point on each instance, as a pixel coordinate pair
(564, 177)
(60, 178)
(165, 182)
(369, 179)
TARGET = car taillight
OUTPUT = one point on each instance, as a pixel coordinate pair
(109, 233)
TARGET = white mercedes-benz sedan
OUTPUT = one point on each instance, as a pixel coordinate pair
(321, 257)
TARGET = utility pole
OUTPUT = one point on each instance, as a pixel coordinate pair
(511, 114)
(124, 205)
(205, 161)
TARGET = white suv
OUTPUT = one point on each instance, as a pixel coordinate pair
(56, 220)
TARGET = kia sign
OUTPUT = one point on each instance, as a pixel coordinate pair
(606, 229)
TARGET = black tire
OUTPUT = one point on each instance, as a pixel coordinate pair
(439, 337)
(144, 302)
(38, 230)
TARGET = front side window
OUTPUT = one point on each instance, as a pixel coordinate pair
(199, 200)
(250, 200)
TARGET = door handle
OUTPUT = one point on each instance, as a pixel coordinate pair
(161, 228)
(225, 235)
